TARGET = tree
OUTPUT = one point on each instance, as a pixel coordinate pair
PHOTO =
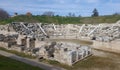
(3, 14)
(95, 13)
(15, 13)
(115, 14)
(48, 13)
(71, 14)
(29, 14)
(79, 16)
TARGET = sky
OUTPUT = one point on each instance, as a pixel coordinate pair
(61, 7)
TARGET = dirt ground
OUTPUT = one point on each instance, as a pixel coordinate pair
(101, 60)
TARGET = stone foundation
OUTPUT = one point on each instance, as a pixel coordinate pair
(113, 46)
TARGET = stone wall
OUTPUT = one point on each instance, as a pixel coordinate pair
(3, 44)
(113, 46)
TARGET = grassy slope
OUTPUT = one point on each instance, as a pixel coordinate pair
(101, 19)
(18, 53)
(63, 20)
(10, 64)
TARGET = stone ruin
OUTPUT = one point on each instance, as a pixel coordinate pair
(67, 53)
(101, 32)
(32, 38)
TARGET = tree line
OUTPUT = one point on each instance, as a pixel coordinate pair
(50, 17)
(4, 14)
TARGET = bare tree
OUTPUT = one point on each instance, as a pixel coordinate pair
(29, 14)
(117, 13)
(3, 14)
(48, 13)
(71, 14)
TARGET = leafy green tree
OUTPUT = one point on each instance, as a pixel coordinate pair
(95, 13)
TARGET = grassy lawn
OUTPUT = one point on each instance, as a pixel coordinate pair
(90, 63)
(96, 63)
(110, 61)
(18, 53)
(10, 64)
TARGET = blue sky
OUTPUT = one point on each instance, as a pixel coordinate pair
(61, 7)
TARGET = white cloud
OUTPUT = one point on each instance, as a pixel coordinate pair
(61, 1)
(78, 1)
(92, 1)
(87, 1)
(61, 6)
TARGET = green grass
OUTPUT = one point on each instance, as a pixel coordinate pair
(18, 53)
(62, 20)
(10, 64)
(55, 63)
(100, 19)
(95, 62)
(110, 62)
(90, 63)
